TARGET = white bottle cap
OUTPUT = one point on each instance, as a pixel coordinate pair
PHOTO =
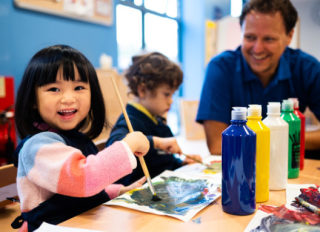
(273, 108)
(295, 102)
(238, 113)
(254, 110)
(105, 61)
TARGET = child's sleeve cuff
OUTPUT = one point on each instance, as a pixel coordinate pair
(132, 158)
(113, 190)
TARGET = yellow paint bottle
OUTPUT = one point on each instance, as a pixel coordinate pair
(262, 152)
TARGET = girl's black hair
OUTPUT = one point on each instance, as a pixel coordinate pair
(41, 70)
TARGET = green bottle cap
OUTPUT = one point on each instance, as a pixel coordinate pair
(287, 105)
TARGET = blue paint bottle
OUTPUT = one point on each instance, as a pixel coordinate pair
(238, 165)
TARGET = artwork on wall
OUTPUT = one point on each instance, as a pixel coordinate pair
(80, 7)
(94, 11)
(181, 197)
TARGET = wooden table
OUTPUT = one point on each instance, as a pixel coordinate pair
(211, 218)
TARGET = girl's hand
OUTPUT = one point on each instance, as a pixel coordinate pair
(192, 159)
(169, 145)
(138, 143)
(134, 185)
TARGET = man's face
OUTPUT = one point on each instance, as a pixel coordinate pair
(264, 39)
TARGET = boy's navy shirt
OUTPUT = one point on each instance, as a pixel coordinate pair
(156, 161)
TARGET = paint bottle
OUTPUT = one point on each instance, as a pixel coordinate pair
(238, 165)
(279, 134)
(302, 118)
(294, 138)
(262, 153)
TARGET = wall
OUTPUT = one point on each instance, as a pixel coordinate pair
(194, 14)
(25, 32)
(308, 10)
(192, 31)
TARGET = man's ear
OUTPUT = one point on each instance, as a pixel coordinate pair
(141, 90)
(290, 36)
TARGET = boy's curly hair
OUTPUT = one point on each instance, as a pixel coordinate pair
(152, 70)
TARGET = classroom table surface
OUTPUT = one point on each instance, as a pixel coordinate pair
(211, 218)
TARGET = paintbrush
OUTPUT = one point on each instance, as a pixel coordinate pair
(190, 157)
(141, 159)
(198, 161)
(312, 208)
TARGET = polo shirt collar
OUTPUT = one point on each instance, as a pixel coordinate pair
(142, 109)
(248, 74)
(283, 72)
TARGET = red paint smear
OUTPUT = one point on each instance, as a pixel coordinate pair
(284, 213)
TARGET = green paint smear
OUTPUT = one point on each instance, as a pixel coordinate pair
(177, 195)
(215, 167)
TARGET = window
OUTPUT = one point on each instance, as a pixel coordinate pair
(161, 34)
(129, 40)
(147, 25)
(236, 7)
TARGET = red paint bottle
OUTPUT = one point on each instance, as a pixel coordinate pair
(297, 112)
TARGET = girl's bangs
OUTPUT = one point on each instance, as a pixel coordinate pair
(48, 71)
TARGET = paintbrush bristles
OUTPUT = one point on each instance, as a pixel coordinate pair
(155, 198)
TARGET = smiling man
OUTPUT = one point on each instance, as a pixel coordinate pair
(263, 69)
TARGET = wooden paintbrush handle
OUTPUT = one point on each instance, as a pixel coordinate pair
(144, 167)
(192, 158)
(126, 117)
(198, 161)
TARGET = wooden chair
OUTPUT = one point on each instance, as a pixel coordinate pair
(8, 186)
(190, 128)
(113, 109)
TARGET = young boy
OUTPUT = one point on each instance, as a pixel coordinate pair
(152, 79)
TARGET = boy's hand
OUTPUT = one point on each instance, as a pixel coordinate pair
(169, 145)
(192, 159)
(138, 143)
(134, 185)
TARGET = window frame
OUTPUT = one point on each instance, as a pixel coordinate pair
(175, 112)
(144, 11)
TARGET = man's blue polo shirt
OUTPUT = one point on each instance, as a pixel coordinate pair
(230, 82)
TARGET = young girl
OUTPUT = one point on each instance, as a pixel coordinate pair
(59, 109)
(152, 79)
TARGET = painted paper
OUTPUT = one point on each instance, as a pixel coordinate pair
(282, 219)
(46, 227)
(293, 190)
(294, 216)
(211, 169)
(181, 196)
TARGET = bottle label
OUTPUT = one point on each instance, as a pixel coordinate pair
(295, 149)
